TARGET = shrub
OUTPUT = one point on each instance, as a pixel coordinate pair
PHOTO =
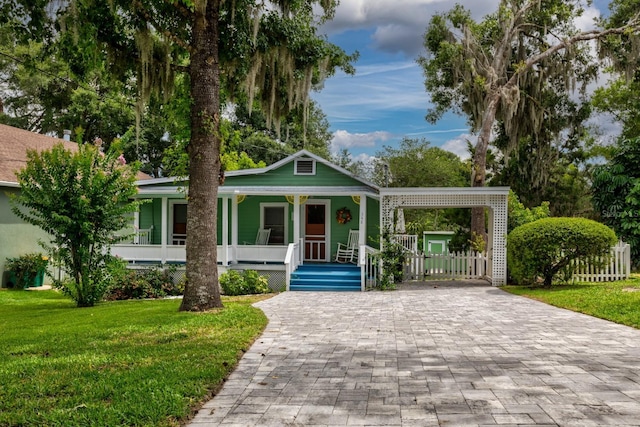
(551, 246)
(249, 282)
(393, 259)
(26, 268)
(255, 283)
(151, 282)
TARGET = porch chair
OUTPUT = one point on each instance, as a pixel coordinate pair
(349, 252)
(262, 238)
(145, 235)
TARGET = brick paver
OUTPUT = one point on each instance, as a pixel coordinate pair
(459, 355)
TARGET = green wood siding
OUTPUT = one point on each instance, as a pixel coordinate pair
(249, 212)
(284, 176)
(373, 223)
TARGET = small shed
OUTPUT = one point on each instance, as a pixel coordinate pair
(436, 242)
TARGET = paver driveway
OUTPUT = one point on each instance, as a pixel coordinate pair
(428, 356)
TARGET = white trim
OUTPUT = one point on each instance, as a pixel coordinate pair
(362, 222)
(458, 191)
(136, 226)
(176, 192)
(285, 207)
(439, 242)
(225, 230)
(9, 184)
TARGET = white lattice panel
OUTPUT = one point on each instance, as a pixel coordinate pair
(493, 198)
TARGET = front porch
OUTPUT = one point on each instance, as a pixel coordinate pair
(298, 211)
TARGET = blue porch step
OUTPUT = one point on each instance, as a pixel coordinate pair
(326, 277)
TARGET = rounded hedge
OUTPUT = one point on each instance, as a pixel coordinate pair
(546, 247)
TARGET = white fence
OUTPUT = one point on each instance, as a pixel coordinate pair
(473, 265)
(617, 267)
(454, 265)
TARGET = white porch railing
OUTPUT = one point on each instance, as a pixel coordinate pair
(292, 260)
(259, 253)
(369, 261)
(177, 253)
(408, 241)
(618, 267)
(456, 265)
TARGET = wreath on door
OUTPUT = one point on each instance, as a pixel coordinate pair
(343, 215)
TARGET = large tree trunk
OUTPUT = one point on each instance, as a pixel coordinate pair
(202, 291)
(479, 167)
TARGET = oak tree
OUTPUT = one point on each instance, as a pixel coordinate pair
(269, 52)
(479, 68)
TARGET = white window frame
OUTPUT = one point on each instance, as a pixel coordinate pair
(313, 167)
(284, 206)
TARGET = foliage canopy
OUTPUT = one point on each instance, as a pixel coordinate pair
(551, 246)
(81, 199)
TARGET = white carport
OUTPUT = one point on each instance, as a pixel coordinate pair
(494, 198)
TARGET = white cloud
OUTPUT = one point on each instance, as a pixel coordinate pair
(343, 139)
(399, 24)
(458, 145)
(587, 21)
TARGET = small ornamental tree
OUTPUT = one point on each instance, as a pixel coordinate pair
(549, 246)
(81, 199)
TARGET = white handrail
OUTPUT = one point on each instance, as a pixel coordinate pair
(291, 261)
(369, 261)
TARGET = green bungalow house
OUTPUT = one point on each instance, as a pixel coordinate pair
(302, 221)
(302, 200)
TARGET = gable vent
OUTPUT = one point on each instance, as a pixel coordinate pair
(305, 167)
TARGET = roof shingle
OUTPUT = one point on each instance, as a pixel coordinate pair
(14, 144)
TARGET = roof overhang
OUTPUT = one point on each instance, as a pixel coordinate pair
(438, 191)
(228, 191)
(9, 184)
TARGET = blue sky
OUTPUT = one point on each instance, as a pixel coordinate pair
(386, 99)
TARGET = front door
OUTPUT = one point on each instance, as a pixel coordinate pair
(315, 232)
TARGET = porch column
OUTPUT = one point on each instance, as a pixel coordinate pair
(163, 230)
(490, 242)
(136, 226)
(296, 219)
(234, 228)
(499, 248)
(362, 238)
(362, 222)
(225, 231)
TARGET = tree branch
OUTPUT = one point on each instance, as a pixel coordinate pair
(168, 34)
(186, 13)
(586, 36)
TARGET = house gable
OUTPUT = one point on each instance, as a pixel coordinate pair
(289, 175)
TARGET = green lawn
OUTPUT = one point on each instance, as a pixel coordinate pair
(119, 363)
(615, 301)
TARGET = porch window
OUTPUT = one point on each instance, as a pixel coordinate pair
(274, 216)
